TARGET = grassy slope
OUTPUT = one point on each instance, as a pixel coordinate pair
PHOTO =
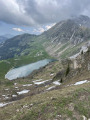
(64, 103)
(65, 50)
(67, 103)
(72, 50)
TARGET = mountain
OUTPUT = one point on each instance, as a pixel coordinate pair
(62, 40)
(3, 38)
(20, 45)
(82, 20)
(67, 37)
(8, 35)
(16, 45)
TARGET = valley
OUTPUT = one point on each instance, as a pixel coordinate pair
(49, 88)
(58, 88)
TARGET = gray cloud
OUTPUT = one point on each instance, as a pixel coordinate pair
(36, 12)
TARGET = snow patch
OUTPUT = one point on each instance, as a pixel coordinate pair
(6, 97)
(4, 104)
(83, 48)
(15, 83)
(81, 82)
(23, 92)
(14, 95)
(6, 89)
(74, 56)
(3, 95)
(51, 74)
(37, 80)
(16, 87)
(51, 87)
(57, 82)
(39, 83)
(27, 85)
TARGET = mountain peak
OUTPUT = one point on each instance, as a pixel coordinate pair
(82, 20)
(84, 17)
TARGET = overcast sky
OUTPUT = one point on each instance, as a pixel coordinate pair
(35, 16)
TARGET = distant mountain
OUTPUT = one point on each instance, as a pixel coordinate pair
(8, 35)
(3, 38)
(16, 45)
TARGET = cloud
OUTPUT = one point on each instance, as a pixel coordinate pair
(13, 13)
(44, 28)
(49, 26)
(39, 12)
(39, 30)
(18, 29)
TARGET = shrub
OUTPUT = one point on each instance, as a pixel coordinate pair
(82, 52)
(61, 80)
(67, 70)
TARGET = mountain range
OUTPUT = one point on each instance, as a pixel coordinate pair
(62, 40)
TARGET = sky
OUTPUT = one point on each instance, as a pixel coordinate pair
(36, 16)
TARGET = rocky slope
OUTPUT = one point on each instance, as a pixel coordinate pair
(67, 37)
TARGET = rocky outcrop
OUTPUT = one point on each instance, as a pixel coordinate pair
(74, 67)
